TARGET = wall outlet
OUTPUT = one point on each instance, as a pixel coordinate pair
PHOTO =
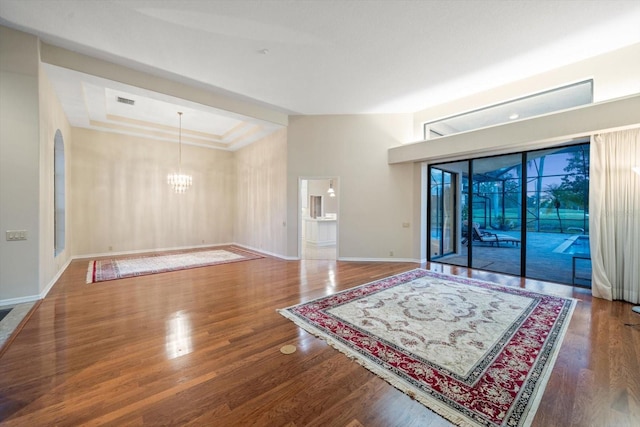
(390, 253)
(13, 235)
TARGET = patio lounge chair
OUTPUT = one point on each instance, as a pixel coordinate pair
(488, 237)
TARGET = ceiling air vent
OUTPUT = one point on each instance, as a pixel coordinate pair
(126, 101)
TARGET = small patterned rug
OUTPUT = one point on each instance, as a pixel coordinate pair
(477, 353)
(100, 271)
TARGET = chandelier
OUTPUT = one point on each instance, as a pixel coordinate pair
(178, 181)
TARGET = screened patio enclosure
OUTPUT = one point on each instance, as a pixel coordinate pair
(524, 214)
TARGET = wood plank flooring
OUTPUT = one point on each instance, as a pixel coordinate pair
(201, 347)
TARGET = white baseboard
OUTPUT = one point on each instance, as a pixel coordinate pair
(53, 281)
(262, 251)
(142, 251)
(181, 248)
(357, 259)
(43, 293)
(10, 302)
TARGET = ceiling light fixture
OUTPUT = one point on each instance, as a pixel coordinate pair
(331, 191)
(514, 116)
(179, 181)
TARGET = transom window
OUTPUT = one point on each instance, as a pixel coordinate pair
(549, 101)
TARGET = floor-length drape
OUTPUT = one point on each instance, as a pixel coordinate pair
(614, 215)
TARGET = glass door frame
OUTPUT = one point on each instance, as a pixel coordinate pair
(454, 224)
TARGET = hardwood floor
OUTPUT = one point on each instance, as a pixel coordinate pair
(201, 347)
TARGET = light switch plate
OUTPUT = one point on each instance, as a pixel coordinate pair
(13, 235)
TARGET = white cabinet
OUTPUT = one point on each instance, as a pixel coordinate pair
(320, 231)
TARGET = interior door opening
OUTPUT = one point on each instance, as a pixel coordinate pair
(318, 218)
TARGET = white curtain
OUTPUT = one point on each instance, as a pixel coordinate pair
(614, 215)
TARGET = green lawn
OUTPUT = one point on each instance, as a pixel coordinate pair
(547, 222)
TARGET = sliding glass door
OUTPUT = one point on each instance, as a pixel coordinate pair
(524, 214)
(497, 218)
(487, 220)
(558, 215)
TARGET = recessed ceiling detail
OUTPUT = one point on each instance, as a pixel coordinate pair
(96, 103)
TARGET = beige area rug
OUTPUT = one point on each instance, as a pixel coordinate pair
(477, 353)
(103, 270)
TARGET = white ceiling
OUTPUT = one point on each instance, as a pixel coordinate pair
(322, 56)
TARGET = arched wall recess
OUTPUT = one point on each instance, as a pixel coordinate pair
(59, 193)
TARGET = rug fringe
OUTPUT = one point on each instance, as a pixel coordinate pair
(403, 386)
(90, 272)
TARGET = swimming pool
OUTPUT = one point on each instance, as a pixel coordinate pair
(578, 244)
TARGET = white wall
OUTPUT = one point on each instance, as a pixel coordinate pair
(19, 164)
(375, 198)
(261, 194)
(121, 202)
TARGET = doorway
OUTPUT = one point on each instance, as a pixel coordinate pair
(318, 225)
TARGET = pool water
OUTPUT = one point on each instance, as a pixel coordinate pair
(577, 245)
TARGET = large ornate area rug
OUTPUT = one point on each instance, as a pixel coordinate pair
(100, 271)
(477, 353)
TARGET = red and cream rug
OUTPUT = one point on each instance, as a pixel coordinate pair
(477, 353)
(103, 270)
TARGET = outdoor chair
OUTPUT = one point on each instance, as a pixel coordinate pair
(489, 237)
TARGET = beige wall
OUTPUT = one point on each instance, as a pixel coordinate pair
(52, 118)
(375, 198)
(120, 200)
(19, 164)
(261, 184)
